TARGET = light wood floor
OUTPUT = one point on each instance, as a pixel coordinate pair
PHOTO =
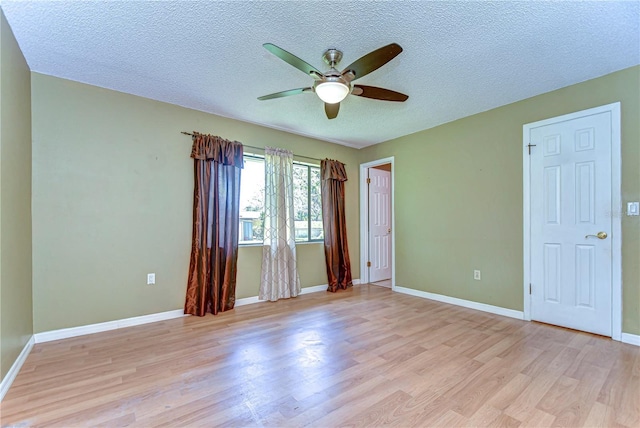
(362, 357)
(383, 283)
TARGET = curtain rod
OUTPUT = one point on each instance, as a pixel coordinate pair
(259, 148)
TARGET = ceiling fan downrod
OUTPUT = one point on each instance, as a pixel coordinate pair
(332, 57)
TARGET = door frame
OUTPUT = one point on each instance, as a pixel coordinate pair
(616, 206)
(364, 219)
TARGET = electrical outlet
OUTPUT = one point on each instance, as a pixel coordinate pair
(476, 275)
(151, 278)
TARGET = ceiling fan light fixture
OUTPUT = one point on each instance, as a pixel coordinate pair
(332, 92)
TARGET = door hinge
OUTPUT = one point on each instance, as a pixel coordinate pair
(529, 146)
(368, 181)
(529, 288)
(368, 264)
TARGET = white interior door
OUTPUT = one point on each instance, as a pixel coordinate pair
(571, 203)
(379, 224)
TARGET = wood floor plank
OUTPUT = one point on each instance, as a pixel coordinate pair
(485, 416)
(383, 412)
(538, 418)
(449, 419)
(524, 405)
(362, 357)
(508, 393)
(424, 409)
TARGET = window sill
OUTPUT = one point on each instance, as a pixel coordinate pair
(297, 243)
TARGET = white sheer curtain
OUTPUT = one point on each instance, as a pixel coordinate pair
(279, 278)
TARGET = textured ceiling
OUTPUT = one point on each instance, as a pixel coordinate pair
(459, 58)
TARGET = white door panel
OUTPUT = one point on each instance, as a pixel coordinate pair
(379, 224)
(571, 272)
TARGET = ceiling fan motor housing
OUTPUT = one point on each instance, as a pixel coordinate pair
(333, 75)
(332, 57)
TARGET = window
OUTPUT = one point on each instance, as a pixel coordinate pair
(307, 203)
(252, 201)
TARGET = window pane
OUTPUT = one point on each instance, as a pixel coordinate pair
(301, 202)
(307, 202)
(252, 201)
(316, 205)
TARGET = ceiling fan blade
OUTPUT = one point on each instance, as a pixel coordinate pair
(373, 60)
(331, 110)
(293, 60)
(285, 93)
(378, 93)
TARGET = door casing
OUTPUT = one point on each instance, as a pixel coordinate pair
(364, 219)
(616, 207)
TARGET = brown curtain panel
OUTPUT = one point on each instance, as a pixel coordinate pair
(336, 250)
(211, 286)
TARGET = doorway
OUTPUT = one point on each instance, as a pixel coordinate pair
(377, 243)
(572, 230)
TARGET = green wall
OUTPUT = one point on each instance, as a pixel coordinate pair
(16, 326)
(112, 201)
(458, 195)
(112, 185)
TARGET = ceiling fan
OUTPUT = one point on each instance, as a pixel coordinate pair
(333, 86)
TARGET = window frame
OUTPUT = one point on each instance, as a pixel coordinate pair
(309, 167)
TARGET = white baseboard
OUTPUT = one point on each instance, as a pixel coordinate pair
(305, 290)
(314, 289)
(15, 368)
(511, 313)
(247, 301)
(632, 339)
(66, 333)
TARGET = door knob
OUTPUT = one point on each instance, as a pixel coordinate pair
(599, 235)
(389, 230)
